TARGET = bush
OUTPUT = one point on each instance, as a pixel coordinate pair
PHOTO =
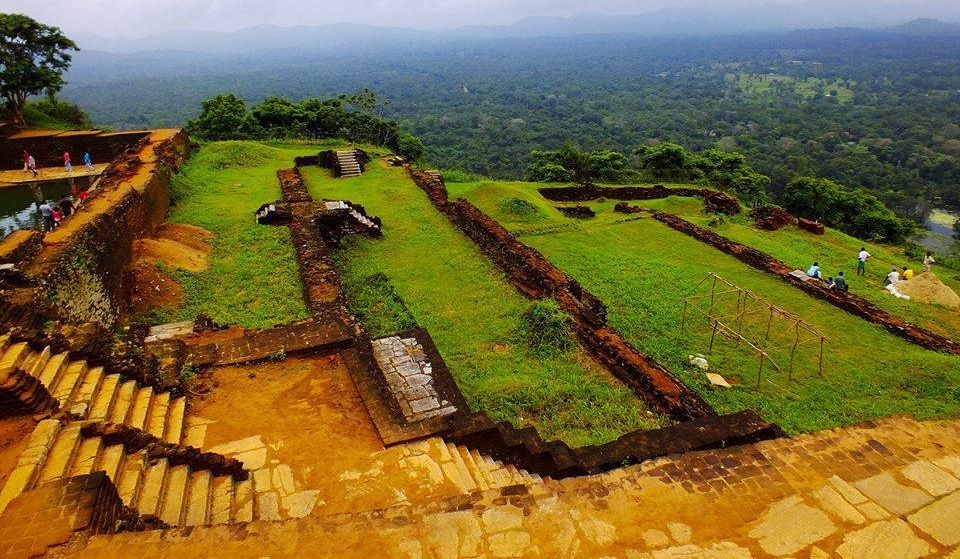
(545, 330)
(518, 207)
(459, 175)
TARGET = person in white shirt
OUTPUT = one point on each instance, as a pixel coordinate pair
(893, 277)
(814, 271)
(862, 261)
(927, 262)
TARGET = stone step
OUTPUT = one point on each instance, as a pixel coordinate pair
(13, 358)
(30, 461)
(103, 401)
(53, 369)
(131, 475)
(196, 432)
(111, 460)
(87, 455)
(38, 362)
(61, 455)
(175, 495)
(468, 484)
(482, 469)
(243, 501)
(221, 500)
(140, 408)
(69, 381)
(198, 499)
(176, 416)
(80, 403)
(157, 421)
(471, 465)
(151, 491)
(123, 402)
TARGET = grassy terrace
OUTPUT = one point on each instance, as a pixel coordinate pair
(253, 279)
(642, 269)
(473, 314)
(835, 251)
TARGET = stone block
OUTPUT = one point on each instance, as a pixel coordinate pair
(888, 539)
(931, 479)
(891, 495)
(425, 404)
(941, 520)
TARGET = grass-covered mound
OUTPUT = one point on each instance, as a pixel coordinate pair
(475, 317)
(642, 269)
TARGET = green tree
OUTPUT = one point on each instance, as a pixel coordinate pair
(223, 117)
(665, 160)
(565, 164)
(33, 57)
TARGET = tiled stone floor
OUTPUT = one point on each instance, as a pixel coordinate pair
(889, 490)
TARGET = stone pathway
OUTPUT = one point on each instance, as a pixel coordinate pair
(410, 378)
(885, 490)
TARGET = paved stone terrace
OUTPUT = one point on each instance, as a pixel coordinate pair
(883, 490)
(410, 378)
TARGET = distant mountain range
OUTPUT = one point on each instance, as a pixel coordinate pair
(680, 22)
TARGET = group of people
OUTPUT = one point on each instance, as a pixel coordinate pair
(30, 162)
(54, 213)
(839, 282)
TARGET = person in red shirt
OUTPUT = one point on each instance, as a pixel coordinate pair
(57, 216)
(66, 162)
(26, 160)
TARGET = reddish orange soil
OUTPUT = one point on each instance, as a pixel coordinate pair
(14, 434)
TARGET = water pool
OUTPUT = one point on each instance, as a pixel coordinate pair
(19, 204)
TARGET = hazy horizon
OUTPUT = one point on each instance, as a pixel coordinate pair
(115, 19)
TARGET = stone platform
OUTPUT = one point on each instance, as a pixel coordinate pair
(884, 490)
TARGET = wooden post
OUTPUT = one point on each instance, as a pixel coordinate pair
(821, 356)
(760, 369)
(793, 351)
(713, 296)
(716, 325)
(766, 336)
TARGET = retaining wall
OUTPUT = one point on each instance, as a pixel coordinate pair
(48, 149)
(714, 201)
(536, 277)
(851, 303)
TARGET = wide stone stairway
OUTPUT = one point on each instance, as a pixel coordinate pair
(348, 164)
(173, 494)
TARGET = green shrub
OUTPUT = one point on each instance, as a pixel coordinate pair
(519, 207)
(544, 329)
(459, 175)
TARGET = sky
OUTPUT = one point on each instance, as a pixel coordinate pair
(135, 18)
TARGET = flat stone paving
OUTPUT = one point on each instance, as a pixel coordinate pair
(879, 491)
(409, 376)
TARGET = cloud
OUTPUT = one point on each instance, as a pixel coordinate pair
(128, 19)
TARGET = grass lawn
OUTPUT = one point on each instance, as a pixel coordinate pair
(642, 269)
(253, 279)
(762, 84)
(835, 251)
(472, 313)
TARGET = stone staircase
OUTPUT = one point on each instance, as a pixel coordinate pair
(171, 494)
(361, 220)
(470, 471)
(347, 164)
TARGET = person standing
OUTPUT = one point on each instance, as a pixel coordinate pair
(26, 160)
(32, 165)
(66, 205)
(47, 212)
(928, 261)
(88, 161)
(66, 162)
(57, 216)
(862, 261)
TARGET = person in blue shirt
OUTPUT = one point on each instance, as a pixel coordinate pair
(814, 271)
(87, 160)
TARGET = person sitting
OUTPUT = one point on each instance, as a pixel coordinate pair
(840, 283)
(830, 282)
(907, 274)
(814, 271)
(893, 277)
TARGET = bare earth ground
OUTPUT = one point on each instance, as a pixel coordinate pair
(14, 434)
(175, 246)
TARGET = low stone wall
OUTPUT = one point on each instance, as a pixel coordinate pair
(715, 201)
(48, 149)
(51, 514)
(79, 275)
(536, 277)
(134, 440)
(853, 304)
